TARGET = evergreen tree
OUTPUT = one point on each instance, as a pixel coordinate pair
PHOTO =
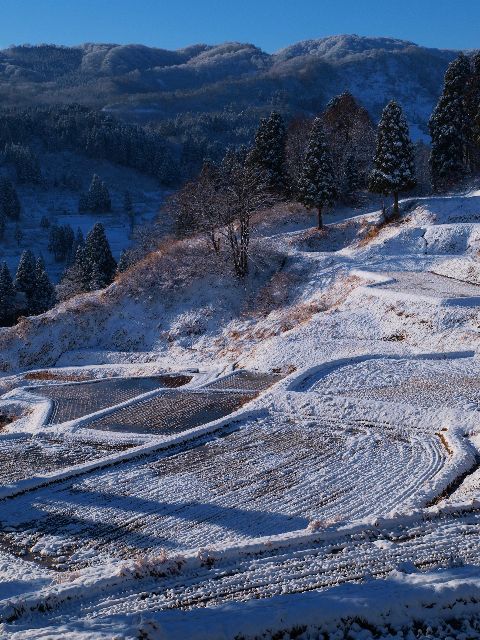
(97, 279)
(43, 297)
(350, 135)
(268, 153)
(97, 199)
(473, 113)
(25, 161)
(351, 179)
(83, 203)
(78, 242)
(7, 297)
(316, 188)
(97, 257)
(9, 202)
(61, 241)
(123, 263)
(25, 278)
(394, 161)
(76, 277)
(450, 127)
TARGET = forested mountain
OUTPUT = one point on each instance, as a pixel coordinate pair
(219, 90)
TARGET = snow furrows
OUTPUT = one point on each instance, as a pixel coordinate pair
(141, 505)
(71, 401)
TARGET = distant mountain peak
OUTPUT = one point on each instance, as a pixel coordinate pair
(340, 46)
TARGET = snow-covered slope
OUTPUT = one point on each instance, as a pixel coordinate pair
(144, 83)
(326, 432)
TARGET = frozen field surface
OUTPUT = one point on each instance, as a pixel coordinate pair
(246, 381)
(270, 477)
(77, 400)
(429, 284)
(172, 412)
(24, 455)
(424, 383)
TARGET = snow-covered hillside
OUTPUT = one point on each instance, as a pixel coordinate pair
(289, 458)
(59, 205)
(149, 84)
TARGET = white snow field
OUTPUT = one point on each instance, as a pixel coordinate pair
(176, 464)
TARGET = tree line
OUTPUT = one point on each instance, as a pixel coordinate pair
(93, 133)
(31, 292)
(316, 163)
(334, 157)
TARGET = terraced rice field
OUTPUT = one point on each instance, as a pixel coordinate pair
(424, 383)
(269, 477)
(245, 381)
(25, 455)
(71, 401)
(172, 412)
(301, 567)
(429, 284)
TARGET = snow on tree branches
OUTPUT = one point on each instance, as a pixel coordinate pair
(317, 188)
(394, 161)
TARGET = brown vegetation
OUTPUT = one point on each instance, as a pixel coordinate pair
(51, 375)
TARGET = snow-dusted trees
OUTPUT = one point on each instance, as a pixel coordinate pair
(450, 127)
(33, 284)
(98, 256)
(9, 202)
(93, 267)
(97, 200)
(316, 188)
(43, 297)
(351, 137)
(26, 163)
(7, 297)
(124, 262)
(220, 203)
(394, 162)
(267, 156)
(473, 113)
(199, 204)
(25, 277)
(244, 190)
(60, 242)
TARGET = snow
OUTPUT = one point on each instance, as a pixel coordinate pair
(60, 206)
(343, 492)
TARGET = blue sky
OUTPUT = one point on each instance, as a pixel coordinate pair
(270, 24)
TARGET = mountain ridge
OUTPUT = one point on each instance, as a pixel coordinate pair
(149, 84)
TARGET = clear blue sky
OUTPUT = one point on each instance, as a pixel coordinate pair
(270, 24)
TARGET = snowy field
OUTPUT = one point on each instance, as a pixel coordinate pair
(310, 470)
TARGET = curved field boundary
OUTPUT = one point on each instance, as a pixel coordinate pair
(122, 577)
(380, 280)
(303, 381)
(154, 444)
(30, 484)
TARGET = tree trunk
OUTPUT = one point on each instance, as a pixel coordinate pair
(215, 241)
(396, 211)
(320, 220)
